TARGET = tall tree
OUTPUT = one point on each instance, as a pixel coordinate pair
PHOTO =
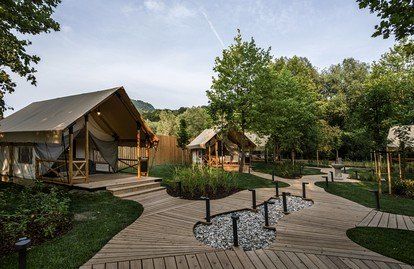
(19, 18)
(397, 17)
(240, 73)
(182, 138)
(197, 119)
(167, 124)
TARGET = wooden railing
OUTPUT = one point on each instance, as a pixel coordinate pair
(57, 170)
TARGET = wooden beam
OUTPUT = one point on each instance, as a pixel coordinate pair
(147, 155)
(87, 148)
(216, 149)
(399, 165)
(139, 153)
(389, 172)
(70, 154)
(11, 159)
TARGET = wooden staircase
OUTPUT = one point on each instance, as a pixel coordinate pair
(136, 187)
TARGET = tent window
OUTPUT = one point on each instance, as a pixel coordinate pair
(25, 155)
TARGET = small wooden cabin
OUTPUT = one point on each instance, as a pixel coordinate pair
(67, 139)
(214, 147)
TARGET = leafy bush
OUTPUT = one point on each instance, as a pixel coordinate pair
(404, 188)
(197, 181)
(37, 212)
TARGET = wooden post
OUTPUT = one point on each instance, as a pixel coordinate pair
(138, 150)
(11, 158)
(389, 172)
(216, 149)
(70, 154)
(86, 148)
(209, 154)
(147, 154)
(379, 174)
(399, 165)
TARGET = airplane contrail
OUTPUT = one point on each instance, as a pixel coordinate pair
(212, 28)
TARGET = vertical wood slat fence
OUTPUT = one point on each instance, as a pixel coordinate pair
(166, 153)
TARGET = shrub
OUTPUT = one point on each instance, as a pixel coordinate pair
(38, 212)
(197, 181)
(404, 188)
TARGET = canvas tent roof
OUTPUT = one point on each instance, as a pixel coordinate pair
(45, 121)
(393, 140)
(260, 141)
(205, 136)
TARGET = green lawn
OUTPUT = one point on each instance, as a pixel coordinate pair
(285, 170)
(99, 216)
(359, 193)
(393, 243)
(244, 181)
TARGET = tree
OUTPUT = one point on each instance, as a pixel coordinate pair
(167, 124)
(240, 73)
(182, 138)
(286, 111)
(329, 137)
(397, 17)
(197, 119)
(21, 17)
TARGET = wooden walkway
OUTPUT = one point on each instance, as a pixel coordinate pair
(258, 259)
(311, 238)
(387, 220)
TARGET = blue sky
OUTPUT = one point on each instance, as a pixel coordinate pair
(163, 51)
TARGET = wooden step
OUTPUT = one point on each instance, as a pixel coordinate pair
(134, 193)
(133, 182)
(133, 188)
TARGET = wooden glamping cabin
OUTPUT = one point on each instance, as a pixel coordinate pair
(68, 139)
(217, 148)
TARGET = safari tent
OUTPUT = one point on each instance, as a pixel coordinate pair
(215, 147)
(69, 138)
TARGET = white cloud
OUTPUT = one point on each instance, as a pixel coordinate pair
(153, 5)
(66, 28)
(181, 11)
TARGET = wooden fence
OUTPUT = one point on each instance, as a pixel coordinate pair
(167, 152)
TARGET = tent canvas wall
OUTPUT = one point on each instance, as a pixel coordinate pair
(213, 146)
(64, 133)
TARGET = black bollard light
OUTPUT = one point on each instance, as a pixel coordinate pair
(235, 218)
(273, 175)
(253, 198)
(326, 181)
(285, 209)
(277, 188)
(304, 189)
(180, 189)
(377, 198)
(21, 247)
(249, 170)
(266, 212)
(332, 179)
(208, 215)
(356, 174)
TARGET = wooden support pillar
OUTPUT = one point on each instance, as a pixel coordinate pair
(399, 166)
(11, 159)
(70, 154)
(216, 150)
(209, 154)
(147, 155)
(87, 148)
(138, 150)
(389, 172)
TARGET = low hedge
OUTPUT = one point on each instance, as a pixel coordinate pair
(37, 212)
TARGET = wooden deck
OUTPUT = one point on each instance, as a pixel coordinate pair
(104, 180)
(387, 220)
(312, 238)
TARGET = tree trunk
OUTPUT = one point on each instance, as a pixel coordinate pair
(337, 156)
(241, 164)
(379, 174)
(317, 157)
(293, 156)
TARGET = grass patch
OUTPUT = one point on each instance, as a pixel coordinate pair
(359, 193)
(387, 242)
(98, 216)
(285, 169)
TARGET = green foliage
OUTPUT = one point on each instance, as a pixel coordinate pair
(387, 242)
(397, 17)
(38, 212)
(285, 169)
(197, 119)
(98, 216)
(19, 18)
(403, 188)
(182, 139)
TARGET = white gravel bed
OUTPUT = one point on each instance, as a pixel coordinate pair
(251, 233)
